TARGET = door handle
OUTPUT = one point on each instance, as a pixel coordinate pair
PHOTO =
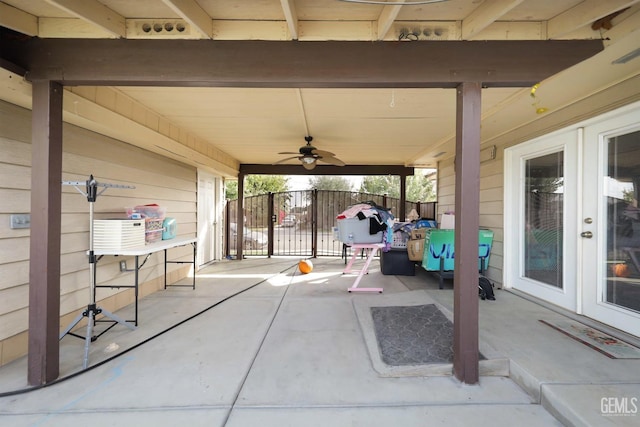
(586, 234)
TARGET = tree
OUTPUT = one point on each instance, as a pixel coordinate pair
(324, 182)
(257, 184)
(231, 190)
(419, 187)
(382, 184)
(263, 184)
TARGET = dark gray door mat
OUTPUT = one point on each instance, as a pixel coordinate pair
(492, 364)
(413, 335)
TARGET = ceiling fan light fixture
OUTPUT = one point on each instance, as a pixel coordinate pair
(309, 165)
(309, 156)
(308, 160)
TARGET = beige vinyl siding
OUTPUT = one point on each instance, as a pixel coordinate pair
(156, 179)
(446, 187)
(491, 204)
(491, 211)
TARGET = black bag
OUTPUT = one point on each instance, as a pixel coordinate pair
(485, 289)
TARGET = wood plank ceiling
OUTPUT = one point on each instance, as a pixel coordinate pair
(394, 125)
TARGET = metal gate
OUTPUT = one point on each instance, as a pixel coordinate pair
(300, 223)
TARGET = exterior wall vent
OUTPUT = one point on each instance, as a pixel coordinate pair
(414, 31)
(160, 29)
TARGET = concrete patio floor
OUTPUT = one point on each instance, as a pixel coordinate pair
(299, 350)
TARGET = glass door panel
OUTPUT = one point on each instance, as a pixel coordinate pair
(544, 207)
(621, 285)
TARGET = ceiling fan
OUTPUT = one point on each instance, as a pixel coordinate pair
(310, 155)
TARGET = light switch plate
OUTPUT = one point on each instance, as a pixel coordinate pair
(21, 221)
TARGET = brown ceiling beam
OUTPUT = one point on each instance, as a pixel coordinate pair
(295, 64)
(258, 169)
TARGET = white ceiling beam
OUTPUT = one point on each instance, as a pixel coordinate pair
(506, 30)
(278, 30)
(62, 28)
(195, 15)
(96, 13)
(584, 14)
(303, 111)
(386, 19)
(249, 30)
(18, 20)
(289, 9)
(484, 15)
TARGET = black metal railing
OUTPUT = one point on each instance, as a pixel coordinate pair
(301, 223)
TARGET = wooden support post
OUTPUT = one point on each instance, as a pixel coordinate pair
(467, 170)
(240, 219)
(227, 229)
(402, 209)
(271, 222)
(314, 223)
(44, 267)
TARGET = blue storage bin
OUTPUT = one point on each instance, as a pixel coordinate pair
(169, 228)
(426, 223)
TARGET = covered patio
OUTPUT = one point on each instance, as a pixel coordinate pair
(258, 343)
(466, 66)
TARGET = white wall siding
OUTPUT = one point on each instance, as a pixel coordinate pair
(156, 179)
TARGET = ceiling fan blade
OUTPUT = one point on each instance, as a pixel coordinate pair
(285, 159)
(332, 160)
(288, 152)
(323, 153)
(309, 154)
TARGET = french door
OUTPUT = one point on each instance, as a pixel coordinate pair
(541, 200)
(572, 218)
(611, 223)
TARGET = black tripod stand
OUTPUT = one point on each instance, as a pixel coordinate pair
(92, 309)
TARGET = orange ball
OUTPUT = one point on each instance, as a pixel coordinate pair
(305, 266)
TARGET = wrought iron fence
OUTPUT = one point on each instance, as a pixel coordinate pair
(301, 223)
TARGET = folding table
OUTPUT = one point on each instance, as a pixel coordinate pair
(146, 251)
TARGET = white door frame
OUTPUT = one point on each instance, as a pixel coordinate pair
(619, 122)
(209, 211)
(515, 159)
